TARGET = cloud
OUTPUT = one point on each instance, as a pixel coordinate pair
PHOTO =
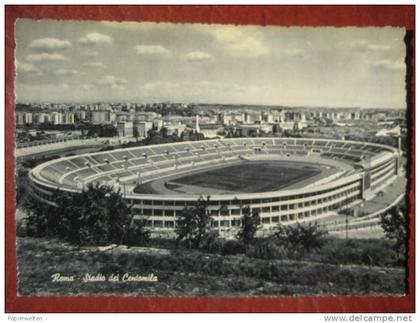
(152, 50)
(199, 57)
(27, 68)
(234, 41)
(66, 72)
(247, 48)
(364, 45)
(92, 39)
(112, 82)
(389, 65)
(45, 57)
(137, 26)
(225, 34)
(298, 52)
(90, 54)
(88, 87)
(151, 86)
(49, 44)
(94, 65)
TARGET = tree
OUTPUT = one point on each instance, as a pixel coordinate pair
(296, 127)
(277, 129)
(249, 225)
(394, 223)
(97, 216)
(194, 223)
(22, 187)
(164, 132)
(42, 220)
(302, 237)
(102, 131)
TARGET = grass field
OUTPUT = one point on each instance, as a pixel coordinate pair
(250, 177)
(194, 273)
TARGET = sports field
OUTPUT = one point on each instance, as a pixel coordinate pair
(250, 177)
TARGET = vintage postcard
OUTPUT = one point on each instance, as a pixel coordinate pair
(181, 159)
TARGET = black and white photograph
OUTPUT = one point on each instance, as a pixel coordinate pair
(189, 159)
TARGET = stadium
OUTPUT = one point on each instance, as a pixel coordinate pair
(286, 179)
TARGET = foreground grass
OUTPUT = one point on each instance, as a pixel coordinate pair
(192, 273)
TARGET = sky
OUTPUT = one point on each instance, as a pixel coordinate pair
(89, 61)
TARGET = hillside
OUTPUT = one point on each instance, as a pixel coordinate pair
(190, 273)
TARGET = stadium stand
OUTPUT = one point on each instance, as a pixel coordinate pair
(371, 167)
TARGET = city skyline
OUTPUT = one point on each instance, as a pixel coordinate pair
(69, 61)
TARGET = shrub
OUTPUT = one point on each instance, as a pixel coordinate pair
(373, 252)
(137, 234)
(211, 242)
(233, 247)
(266, 249)
(31, 163)
(395, 223)
(303, 237)
(107, 148)
(21, 228)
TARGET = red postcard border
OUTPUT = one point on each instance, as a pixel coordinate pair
(328, 15)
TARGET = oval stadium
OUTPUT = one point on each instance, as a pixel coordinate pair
(285, 179)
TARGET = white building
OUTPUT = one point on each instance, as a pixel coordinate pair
(56, 118)
(99, 117)
(68, 118)
(142, 128)
(125, 129)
